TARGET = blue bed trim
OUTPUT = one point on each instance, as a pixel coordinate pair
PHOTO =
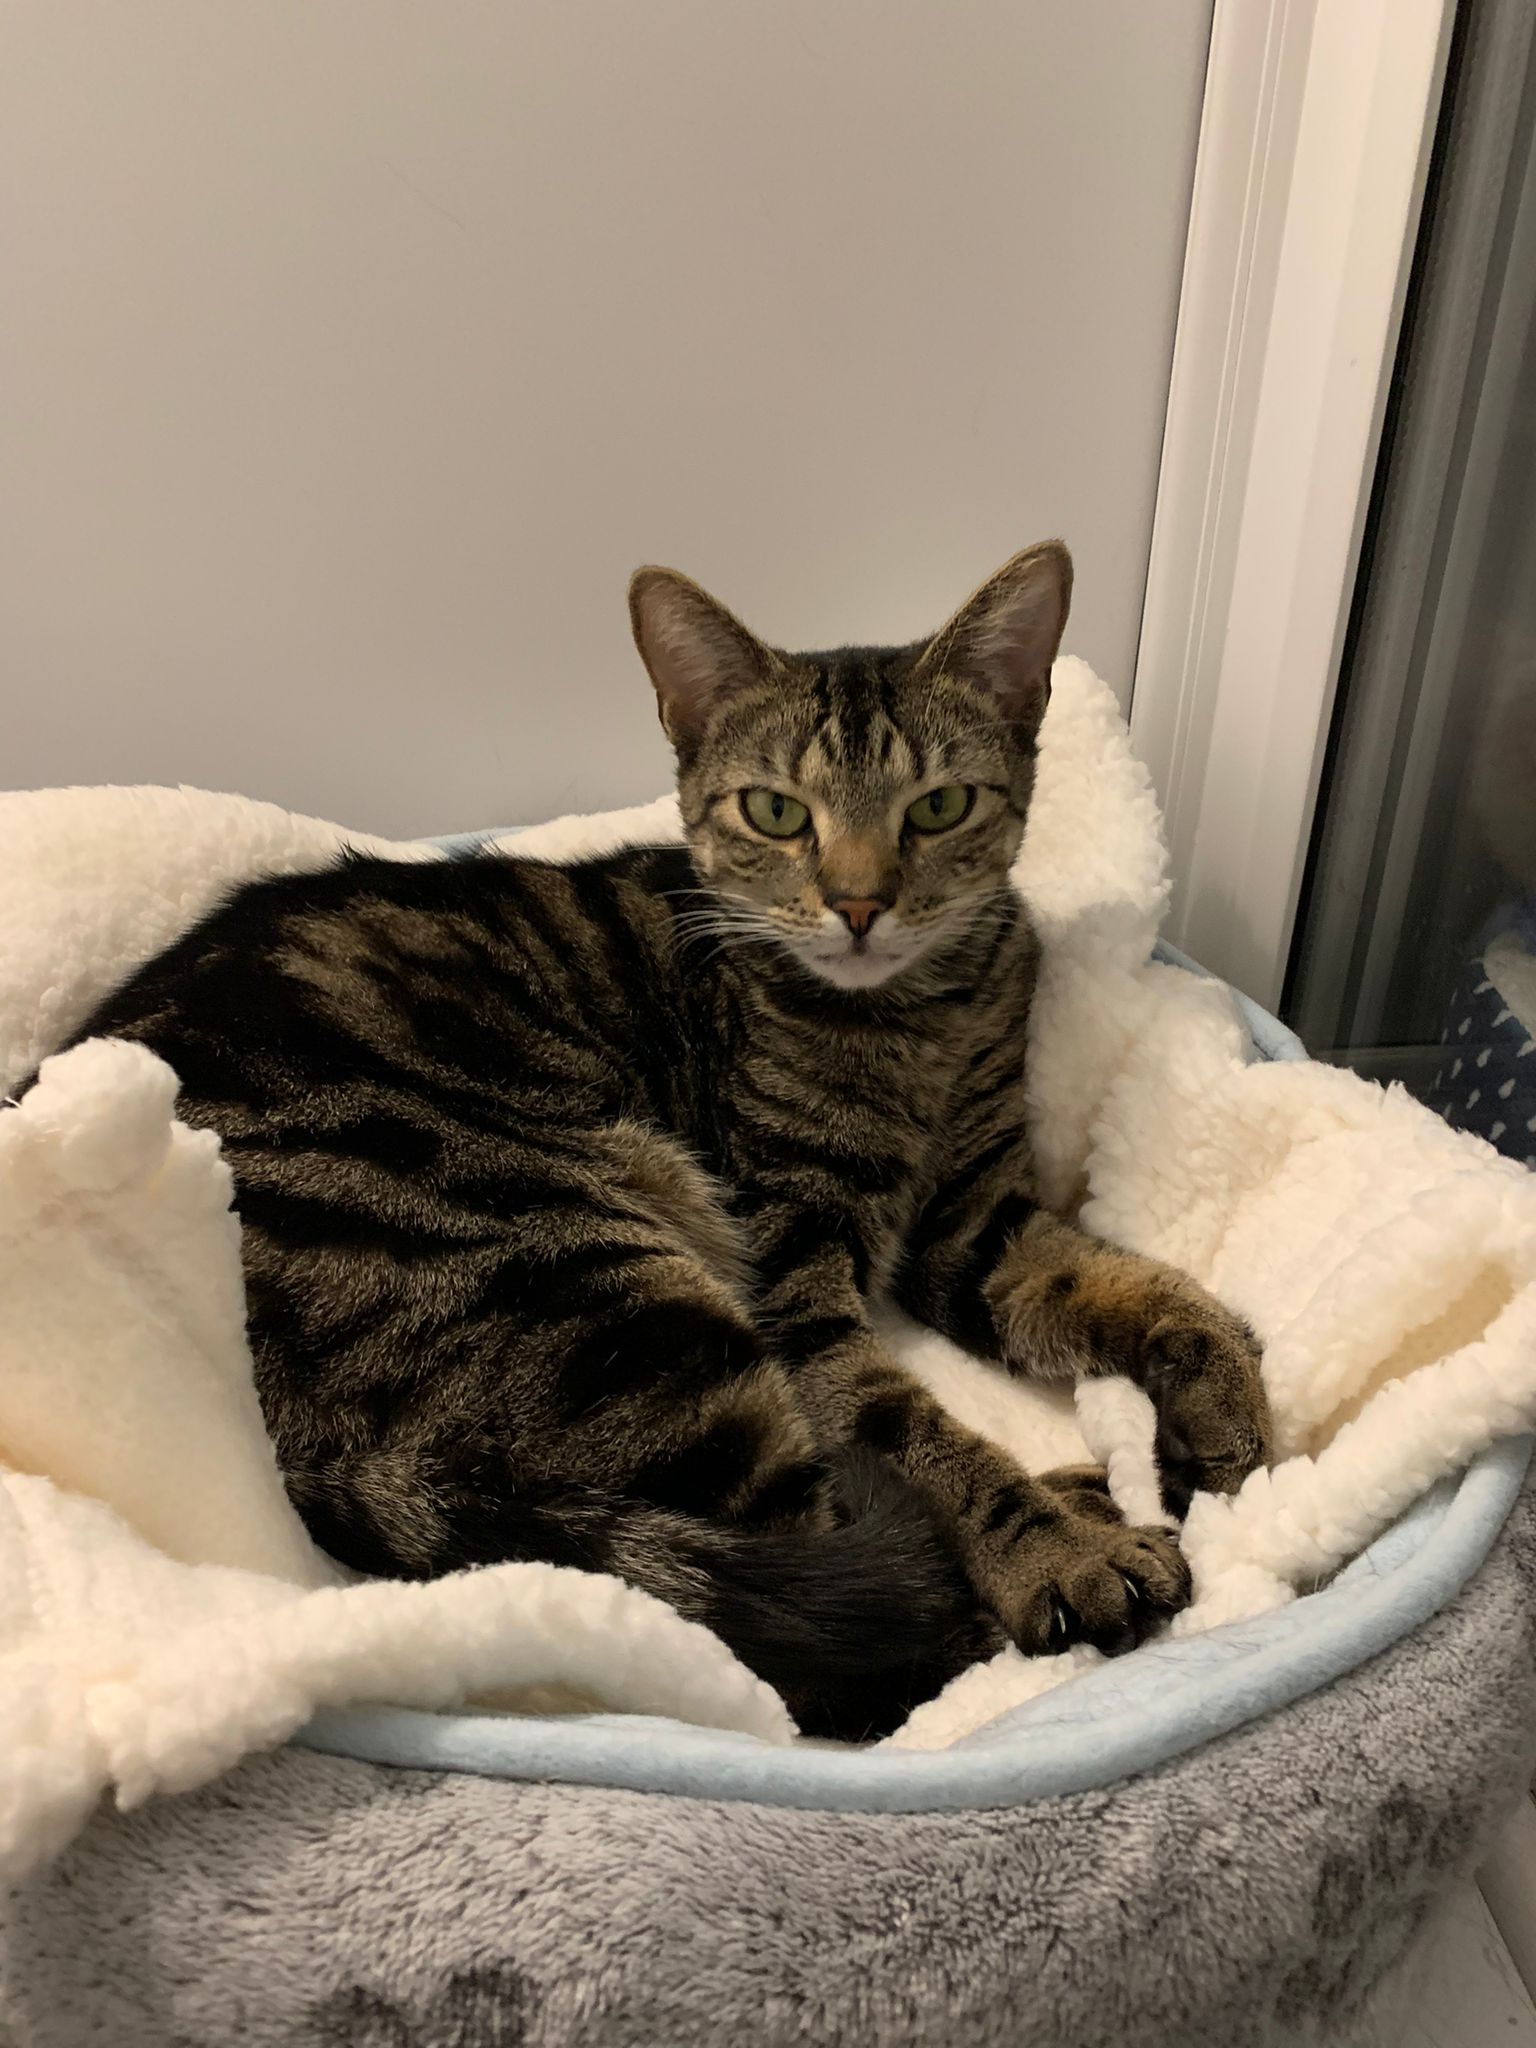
(1125, 1716)
(1271, 1039)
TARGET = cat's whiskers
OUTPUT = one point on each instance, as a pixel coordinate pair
(720, 919)
(732, 931)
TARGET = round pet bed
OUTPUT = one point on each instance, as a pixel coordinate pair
(1231, 1837)
(1266, 1888)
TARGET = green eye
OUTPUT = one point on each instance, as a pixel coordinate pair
(941, 808)
(781, 817)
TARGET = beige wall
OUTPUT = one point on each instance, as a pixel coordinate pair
(353, 351)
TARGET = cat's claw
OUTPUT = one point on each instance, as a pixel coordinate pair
(1085, 1581)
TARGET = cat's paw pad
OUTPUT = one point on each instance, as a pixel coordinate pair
(1093, 1582)
(1213, 1425)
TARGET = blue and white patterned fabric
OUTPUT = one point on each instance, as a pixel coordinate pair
(1486, 1083)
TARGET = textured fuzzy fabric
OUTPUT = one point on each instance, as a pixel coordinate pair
(1265, 1891)
(163, 1612)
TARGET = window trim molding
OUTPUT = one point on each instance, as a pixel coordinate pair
(1309, 181)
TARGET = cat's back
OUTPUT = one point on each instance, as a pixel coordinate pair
(467, 965)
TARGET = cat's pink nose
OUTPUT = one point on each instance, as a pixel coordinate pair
(857, 912)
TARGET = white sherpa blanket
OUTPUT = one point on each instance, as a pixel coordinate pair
(162, 1611)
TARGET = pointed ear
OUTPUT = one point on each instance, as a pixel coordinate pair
(697, 654)
(1005, 637)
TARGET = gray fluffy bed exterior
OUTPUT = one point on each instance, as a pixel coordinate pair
(1268, 1889)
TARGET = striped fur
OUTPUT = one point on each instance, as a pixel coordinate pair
(566, 1190)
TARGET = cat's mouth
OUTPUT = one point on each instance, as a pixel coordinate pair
(850, 961)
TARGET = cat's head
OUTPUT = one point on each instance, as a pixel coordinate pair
(858, 806)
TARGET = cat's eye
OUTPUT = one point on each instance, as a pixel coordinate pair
(780, 816)
(941, 808)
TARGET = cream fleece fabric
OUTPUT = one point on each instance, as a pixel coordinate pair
(162, 1611)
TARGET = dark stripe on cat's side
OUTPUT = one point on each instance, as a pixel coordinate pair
(304, 1222)
(629, 1346)
(546, 1286)
(374, 1138)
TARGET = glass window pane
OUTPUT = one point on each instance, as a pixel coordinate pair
(1415, 956)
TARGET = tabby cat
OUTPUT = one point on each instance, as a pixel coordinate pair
(566, 1190)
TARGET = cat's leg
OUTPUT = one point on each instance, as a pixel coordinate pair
(1049, 1556)
(596, 1337)
(663, 1386)
(1054, 1562)
(590, 1387)
(1069, 1303)
(1004, 1277)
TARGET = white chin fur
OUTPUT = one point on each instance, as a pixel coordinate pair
(847, 969)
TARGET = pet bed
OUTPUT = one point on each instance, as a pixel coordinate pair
(1266, 1889)
(166, 1615)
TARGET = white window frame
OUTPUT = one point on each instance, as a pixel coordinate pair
(1309, 180)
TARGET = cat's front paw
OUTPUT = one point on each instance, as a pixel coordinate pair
(1200, 1364)
(1092, 1308)
(1075, 1579)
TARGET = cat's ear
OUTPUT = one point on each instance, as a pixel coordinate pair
(1005, 637)
(697, 654)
